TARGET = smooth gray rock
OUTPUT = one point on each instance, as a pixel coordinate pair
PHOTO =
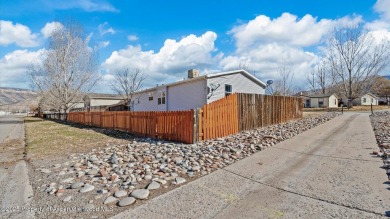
(120, 193)
(77, 185)
(126, 201)
(110, 200)
(67, 180)
(179, 180)
(161, 181)
(87, 188)
(153, 185)
(140, 193)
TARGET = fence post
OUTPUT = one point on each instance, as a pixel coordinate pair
(195, 134)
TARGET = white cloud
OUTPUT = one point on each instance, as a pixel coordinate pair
(382, 24)
(14, 65)
(105, 29)
(19, 34)
(171, 62)
(286, 29)
(383, 8)
(264, 44)
(132, 37)
(48, 29)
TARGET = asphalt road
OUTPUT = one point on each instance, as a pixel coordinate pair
(326, 172)
(15, 190)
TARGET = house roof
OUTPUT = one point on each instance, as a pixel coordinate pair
(212, 75)
(321, 95)
(370, 94)
(104, 96)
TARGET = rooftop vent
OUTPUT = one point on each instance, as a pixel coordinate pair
(193, 73)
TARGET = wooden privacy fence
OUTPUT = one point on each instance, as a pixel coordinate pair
(234, 113)
(218, 119)
(239, 112)
(262, 110)
(172, 126)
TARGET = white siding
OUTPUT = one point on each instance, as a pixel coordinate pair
(240, 84)
(103, 102)
(187, 95)
(314, 102)
(162, 107)
(369, 99)
(333, 101)
(142, 102)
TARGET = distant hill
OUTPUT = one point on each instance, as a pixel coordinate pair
(17, 99)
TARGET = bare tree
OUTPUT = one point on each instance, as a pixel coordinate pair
(127, 83)
(355, 57)
(311, 78)
(67, 69)
(320, 79)
(283, 85)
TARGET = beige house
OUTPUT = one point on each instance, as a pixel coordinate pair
(368, 99)
(100, 102)
(196, 91)
(322, 100)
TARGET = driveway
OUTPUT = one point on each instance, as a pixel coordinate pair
(15, 191)
(326, 172)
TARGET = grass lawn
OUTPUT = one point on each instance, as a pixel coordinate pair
(48, 140)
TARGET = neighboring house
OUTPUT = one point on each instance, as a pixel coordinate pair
(121, 106)
(322, 100)
(100, 102)
(367, 99)
(76, 106)
(196, 91)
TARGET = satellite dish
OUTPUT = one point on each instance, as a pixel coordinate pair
(269, 82)
(213, 86)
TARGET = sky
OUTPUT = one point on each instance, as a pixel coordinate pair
(164, 39)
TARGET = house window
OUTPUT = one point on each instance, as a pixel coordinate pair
(364, 100)
(320, 102)
(228, 89)
(161, 97)
(308, 103)
(372, 100)
(150, 96)
(335, 102)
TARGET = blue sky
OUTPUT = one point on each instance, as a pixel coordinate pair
(166, 38)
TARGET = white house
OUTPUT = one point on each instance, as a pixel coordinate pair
(368, 99)
(99, 102)
(322, 100)
(196, 91)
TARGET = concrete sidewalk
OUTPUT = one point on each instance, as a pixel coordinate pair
(326, 172)
(15, 189)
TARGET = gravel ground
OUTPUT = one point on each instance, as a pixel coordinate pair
(380, 122)
(95, 184)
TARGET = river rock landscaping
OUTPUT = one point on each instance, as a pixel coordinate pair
(381, 124)
(105, 181)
